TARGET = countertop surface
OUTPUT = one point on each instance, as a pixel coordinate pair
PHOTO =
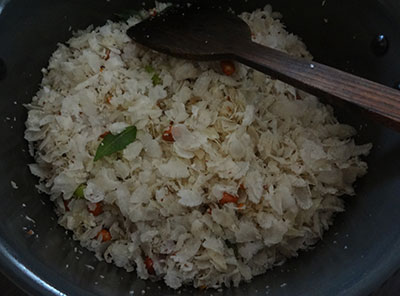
(391, 287)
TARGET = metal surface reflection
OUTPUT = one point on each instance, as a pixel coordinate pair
(23, 272)
(3, 4)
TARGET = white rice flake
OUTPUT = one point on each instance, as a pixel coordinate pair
(189, 198)
(133, 150)
(14, 185)
(93, 193)
(174, 168)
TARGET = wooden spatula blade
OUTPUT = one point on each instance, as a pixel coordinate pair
(187, 33)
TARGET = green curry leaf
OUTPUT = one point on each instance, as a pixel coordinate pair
(156, 79)
(79, 191)
(114, 143)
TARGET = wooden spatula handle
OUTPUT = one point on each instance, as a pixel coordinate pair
(321, 80)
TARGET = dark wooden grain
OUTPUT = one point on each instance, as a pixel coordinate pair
(209, 34)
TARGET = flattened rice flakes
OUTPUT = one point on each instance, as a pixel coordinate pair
(280, 156)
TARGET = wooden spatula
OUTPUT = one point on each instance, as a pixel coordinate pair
(210, 34)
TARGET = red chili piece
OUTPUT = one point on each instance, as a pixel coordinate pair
(167, 135)
(149, 265)
(228, 67)
(98, 209)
